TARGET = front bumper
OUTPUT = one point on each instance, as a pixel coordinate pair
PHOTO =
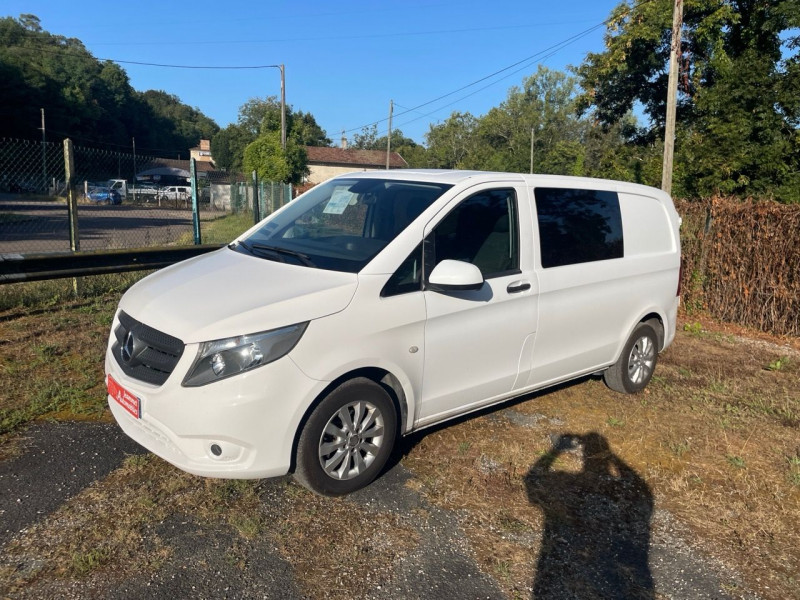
(241, 427)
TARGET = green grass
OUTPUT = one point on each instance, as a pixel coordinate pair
(54, 292)
(221, 230)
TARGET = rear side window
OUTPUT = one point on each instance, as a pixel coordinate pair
(578, 226)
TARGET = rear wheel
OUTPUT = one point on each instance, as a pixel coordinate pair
(635, 366)
(347, 439)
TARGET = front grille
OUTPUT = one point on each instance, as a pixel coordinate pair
(145, 353)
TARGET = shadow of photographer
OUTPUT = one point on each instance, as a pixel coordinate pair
(597, 524)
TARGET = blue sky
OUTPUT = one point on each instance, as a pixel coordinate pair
(344, 61)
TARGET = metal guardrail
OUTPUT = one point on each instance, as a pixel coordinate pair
(15, 268)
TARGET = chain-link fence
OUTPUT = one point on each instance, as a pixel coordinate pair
(124, 200)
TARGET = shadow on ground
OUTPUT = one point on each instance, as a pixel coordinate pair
(596, 535)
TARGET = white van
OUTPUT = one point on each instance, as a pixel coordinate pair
(380, 303)
(179, 193)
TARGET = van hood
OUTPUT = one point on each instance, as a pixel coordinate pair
(226, 293)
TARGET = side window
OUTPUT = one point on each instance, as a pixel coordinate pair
(407, 278)
(578, 226)
(482, 230)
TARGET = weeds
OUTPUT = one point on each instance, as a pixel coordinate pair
(693, 328)
(83, 563)
(736, 461)
(778, 364)
(679, 448)
(502, 568)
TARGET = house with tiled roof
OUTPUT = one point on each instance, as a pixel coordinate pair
(324, 162)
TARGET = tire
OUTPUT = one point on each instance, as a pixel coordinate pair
(347, 439)
(637, 362)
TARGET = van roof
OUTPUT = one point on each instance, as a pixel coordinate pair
(455, 177)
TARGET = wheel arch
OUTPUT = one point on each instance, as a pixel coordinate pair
(656, 321)
(387, 380)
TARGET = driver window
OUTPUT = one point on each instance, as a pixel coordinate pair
(482, 230)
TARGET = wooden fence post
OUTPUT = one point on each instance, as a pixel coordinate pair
(72, 208)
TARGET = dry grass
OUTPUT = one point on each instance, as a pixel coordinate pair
(715, 437)
(108, 532)
(339, 549)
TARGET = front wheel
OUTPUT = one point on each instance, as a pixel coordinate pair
(347, 439)
(634, 367)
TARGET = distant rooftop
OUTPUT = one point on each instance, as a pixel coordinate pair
(353, 158)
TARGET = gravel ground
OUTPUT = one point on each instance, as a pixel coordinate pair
(57, 460)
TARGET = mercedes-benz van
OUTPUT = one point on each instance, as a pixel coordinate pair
(380, 303)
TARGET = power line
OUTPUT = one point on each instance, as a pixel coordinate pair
(554, 47)
(551, 50)
(525, 66)
(333, 38)
(147, 64)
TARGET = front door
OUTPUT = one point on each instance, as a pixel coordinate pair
(478, 344)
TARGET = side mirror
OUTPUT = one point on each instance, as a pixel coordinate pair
(455, 276)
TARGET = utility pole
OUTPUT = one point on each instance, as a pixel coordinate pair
(532, 133)
(672, 97)
(283, 106)
(389, 137)
(44, 158)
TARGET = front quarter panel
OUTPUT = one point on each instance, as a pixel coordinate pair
(386, 333)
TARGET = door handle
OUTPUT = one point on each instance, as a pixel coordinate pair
(518, 286)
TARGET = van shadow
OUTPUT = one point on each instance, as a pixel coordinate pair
(597, 523)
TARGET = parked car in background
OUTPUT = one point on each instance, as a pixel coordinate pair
(175, 192)
(104, 195)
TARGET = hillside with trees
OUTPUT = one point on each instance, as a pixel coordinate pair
(89, 100)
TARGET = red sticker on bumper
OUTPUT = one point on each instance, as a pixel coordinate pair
(124, 398)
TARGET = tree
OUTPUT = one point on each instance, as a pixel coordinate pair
(272, 163)
(260, 117)
(306, 131)
(449, 143)
(414, 154)
(227, 147)
(367, 139)
(738, 109)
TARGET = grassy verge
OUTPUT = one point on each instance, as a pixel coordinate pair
(51, 360)
(221, 230)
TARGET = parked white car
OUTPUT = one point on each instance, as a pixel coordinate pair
(380, 303)
(180, 193)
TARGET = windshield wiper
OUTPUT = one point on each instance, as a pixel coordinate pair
(303, 258)
(234, 245)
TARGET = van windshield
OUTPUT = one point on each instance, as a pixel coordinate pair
(342, 224)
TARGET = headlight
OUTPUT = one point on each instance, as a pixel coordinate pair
(223, 358)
